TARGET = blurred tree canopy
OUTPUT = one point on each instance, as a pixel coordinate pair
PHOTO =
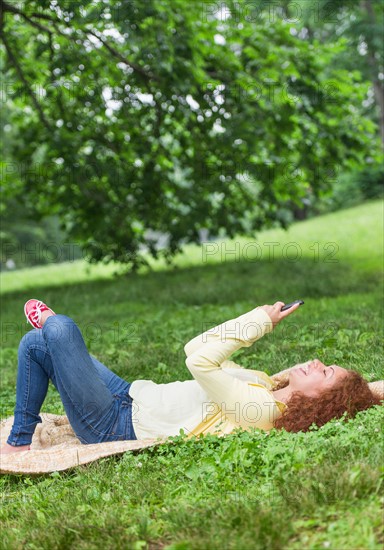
(361, 23)
(176, 116)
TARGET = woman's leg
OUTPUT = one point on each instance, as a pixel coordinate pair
(31, 387)
(87, 387)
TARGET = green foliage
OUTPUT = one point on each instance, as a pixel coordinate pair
(371, 182)
(28, 242)
(361, 25)
(126, 117)
(348, 190)
(351, 189)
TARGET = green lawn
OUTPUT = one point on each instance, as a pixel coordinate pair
(250, 491)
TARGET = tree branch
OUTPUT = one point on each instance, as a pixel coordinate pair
(25, 82)
(7, 7)
(120, 56)
(12, 9)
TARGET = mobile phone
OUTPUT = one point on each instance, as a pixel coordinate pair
(287, 306)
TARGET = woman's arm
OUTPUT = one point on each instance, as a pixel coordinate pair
(209, 336)
(235, 397)
(377, 388)
(238, 400)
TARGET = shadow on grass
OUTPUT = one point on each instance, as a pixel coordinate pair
(226, 283)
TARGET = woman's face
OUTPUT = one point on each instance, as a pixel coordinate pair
(313, 377)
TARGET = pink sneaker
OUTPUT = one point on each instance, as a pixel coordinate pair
(33, 310)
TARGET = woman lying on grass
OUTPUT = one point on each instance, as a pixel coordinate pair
(223, 396)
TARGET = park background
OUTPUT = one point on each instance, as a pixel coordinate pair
(170, 165)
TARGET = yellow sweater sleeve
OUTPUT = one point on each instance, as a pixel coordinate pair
(210, 335)
(244, 404)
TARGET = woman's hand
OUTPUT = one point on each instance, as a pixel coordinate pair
(275, 312)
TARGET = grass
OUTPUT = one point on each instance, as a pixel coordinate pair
(250, 491)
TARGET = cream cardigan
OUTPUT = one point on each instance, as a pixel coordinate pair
(223, 395)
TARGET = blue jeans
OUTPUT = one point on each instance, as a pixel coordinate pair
(96, 401)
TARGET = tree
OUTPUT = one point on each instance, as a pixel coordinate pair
(361, 23)
(170, 116)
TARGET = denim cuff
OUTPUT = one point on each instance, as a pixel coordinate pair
(22, 435)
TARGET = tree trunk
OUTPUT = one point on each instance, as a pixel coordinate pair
(378, 87)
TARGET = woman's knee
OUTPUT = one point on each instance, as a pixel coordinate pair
(59, 328)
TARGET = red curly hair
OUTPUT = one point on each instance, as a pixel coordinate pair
(350, 395)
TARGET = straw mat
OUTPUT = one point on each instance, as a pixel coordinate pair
(55, 447)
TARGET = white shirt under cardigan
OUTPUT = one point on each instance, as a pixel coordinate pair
(161, 410)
